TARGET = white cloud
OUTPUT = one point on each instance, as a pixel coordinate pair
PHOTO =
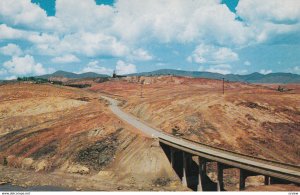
(23, 66)
(11, 50)
(81, 43)
(117, 31)
(10, 78)
(212, 55)
(177, 20)
(274, 11)
(83, 28)
(40, 40)
(94, 66)
(263, 71)
(141, 54)
(269, 18)
(69, 58)
(125, 68)
(91, 45)
(7, 32)
(160, 64)
(26, 14)
(243, 71)
(220, 68)
(3, 71)
(98, 44)
(296, 70)
(78, 15)
(247, 63)
(43, 38)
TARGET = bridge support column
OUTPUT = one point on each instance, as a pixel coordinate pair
(202, 172)
(184, 170)
(243, 177)
(267, 180)
(172, 157)
(220, 182)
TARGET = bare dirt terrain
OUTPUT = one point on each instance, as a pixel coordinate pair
(251, 119)
(61, 136)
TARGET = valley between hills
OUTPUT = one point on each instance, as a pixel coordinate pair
(64, 136)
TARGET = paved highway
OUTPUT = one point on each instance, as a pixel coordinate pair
(263, 166)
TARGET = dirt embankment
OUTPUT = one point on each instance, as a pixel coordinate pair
(251, 119)
(55, 133)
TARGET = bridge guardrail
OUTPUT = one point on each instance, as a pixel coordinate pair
(232, 152)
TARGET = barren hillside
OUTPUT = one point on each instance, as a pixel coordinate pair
(251, 119)
(63, 132)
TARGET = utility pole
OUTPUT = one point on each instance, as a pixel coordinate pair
(142, 89)
(223, 87)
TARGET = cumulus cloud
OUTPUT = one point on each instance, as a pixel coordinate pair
(95, 44)
(11, 77)
(26, 14)
(23, 66)
(177, 20)
(94, 66)
(274, 11)
(270, 18)
(212, 55)
(92, 17)
(242, 71)
(296, 69)
(247, 63)
(264, 71)
(141, 54)
(220, 68)
(125, 68)
(3, 71)
(11, 50)
(7, 32)
(122, 31)
(37, 38)
(90, 44)
(69, 58)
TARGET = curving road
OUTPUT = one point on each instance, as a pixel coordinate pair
(262, 166)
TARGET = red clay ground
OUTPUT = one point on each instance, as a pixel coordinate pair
(251, 119)
(67, 133)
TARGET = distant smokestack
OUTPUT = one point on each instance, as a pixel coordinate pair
(114, 74)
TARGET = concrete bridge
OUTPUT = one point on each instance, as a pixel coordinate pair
(189, 159)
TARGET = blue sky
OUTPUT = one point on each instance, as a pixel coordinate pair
(224, 36)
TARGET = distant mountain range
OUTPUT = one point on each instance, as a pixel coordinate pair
(71, 75)
(250, 78)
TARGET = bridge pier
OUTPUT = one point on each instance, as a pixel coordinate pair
(172, 159)
(191, 169)
(201, 173)
(267, 180)
(243, 176)
(220, 182)
(220, 173)
(184, 169)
